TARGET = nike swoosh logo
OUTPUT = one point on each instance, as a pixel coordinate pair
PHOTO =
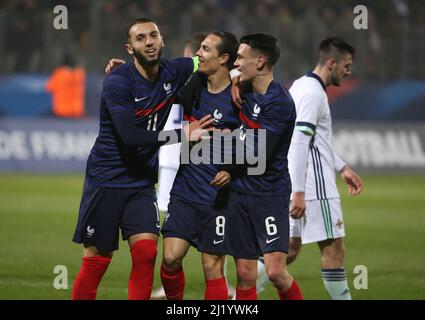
(137, 100)
(217, 242)
(268, 241)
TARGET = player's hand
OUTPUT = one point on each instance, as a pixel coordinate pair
(199, 129)
(236, 92)
(112, 64)
(298, 205)
(353, 180)
(221, 179)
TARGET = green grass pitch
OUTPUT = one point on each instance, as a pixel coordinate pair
(385, 232)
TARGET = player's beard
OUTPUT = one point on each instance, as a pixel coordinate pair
(143, 61)
(335, 81)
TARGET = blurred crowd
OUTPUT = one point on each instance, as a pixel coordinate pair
(392, 47)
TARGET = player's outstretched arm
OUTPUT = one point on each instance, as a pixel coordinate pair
(353, 180)
(189, 95)
(133, 136)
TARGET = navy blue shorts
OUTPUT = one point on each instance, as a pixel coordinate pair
(103, 211)
(256, 225)
(203, 226)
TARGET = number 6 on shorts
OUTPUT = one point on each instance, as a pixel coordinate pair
(270, 227)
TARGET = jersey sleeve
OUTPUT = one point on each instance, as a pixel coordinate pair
(299, 156)
(184, 67)
(117, 94)
(190, 93)
(339, 164)
(277, 116)
(309, 109)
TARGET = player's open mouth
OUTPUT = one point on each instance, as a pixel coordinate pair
(151, 52)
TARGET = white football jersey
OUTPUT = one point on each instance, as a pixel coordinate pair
(169, 156)
(314, 119)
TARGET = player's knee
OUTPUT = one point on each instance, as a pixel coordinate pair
(213, 268)
(246, 275)
(275, 273)
(171, 260)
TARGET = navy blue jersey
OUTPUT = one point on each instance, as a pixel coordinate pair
(192, 181)
(113, 164)
(275, 112)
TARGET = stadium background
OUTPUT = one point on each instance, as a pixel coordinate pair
(378, 116)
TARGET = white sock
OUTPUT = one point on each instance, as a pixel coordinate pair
(335, 281)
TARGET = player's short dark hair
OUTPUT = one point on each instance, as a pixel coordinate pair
(266, 44)
(134, 22)
(229, 44)
(334, 47)
(195, 40)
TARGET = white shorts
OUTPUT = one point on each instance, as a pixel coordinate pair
(322, 220)
(166, 179)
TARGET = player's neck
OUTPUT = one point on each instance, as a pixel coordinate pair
(261, 82)
(148, 72)
(323, 74)
(218, 81)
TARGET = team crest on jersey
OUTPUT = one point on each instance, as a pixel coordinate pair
(217, 116)
(167, 88)
(90, 232)
(242, 133)
(257, 110)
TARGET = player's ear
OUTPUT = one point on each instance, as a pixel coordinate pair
(261, 62)
(224, 58)
(331, 64)
(129, 48)
(162, 42)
